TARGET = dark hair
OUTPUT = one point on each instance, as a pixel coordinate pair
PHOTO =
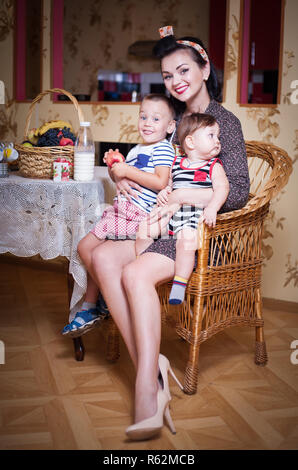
(168, 45)
(190, 123)
(161, 97)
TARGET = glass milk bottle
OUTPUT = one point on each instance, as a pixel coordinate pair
(84, 154)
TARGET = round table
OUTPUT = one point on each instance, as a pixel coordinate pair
(40, 216)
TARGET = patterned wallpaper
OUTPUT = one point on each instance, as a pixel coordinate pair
(276, 125)
(90, 35)
(113, 122)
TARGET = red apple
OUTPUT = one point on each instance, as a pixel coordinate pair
(65, 141)
(114, 156)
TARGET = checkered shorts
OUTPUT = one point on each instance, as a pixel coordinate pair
(119, 221)
(186, 217)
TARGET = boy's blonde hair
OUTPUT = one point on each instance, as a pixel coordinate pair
(189, 124)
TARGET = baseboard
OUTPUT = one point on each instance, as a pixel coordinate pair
(277, 304)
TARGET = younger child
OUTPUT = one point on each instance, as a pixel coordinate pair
(147, 164)
(200, 168)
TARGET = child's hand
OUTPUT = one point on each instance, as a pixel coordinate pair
(163, 196)
(113, 156)
(119, 170)
(105, 158)
(209, 216)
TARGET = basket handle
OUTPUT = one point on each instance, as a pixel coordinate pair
(39, 98)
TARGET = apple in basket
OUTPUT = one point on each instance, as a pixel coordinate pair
(114, 156)
(65, 141)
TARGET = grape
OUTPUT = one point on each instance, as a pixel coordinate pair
(50, 138)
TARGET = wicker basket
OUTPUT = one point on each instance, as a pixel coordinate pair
(37, 162)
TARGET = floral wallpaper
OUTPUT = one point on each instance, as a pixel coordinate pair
(267, 127)
(100, 114)
(291, 272)
(274, 125)
(90, 35)
(295, 157)
(92, 42)
(8, 111)
(8, 118)
(6, 18)
(128, 129)
(232, 47)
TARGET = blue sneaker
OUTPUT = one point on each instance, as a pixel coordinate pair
(82, 322)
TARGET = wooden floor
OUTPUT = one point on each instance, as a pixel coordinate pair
(50, 401)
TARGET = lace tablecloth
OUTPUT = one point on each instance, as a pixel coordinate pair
(50, 218)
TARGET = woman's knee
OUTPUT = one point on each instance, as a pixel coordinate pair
(104, 260)
(131, 276)
(101, 257)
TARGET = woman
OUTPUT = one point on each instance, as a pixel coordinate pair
(128, 284)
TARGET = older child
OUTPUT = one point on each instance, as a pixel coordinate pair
(147, 164)
(199, 168)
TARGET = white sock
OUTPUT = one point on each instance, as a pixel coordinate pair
(88, 305)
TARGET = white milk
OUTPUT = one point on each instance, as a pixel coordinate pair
(84, 166)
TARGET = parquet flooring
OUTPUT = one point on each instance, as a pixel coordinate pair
(50, 401)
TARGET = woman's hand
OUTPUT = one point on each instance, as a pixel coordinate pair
(127, 188)
(166, 211)
(175, 198)
(163, 213)
(163, 196)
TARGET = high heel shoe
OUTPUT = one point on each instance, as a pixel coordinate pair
(151, 426)
(164, 368)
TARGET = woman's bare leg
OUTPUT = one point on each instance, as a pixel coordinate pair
(107, 262)
(144, 238)
(147, 232)
(140, 278)
(142, 244)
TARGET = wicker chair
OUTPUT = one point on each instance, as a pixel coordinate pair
(224, 289)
